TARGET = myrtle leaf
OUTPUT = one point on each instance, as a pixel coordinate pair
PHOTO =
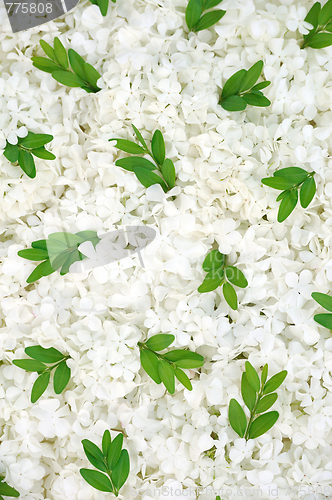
(40, 386)
(307, 191)
(230, 295)
(262, 424)
(158, 147)
(61, 377)
(287, 205)
(237, 418)
(150, 362)
(234, 103)
(209, 19)
(40, 353)
(274, 382)
(121, 470)
(114, 451)
(251, 76)
(323, 300)
(160, 341)
(166, 374)
(97, 480)
(236, 276)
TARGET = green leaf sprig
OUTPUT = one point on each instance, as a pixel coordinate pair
(198, 22)
(60, 250)
(42, 357)
(241, 89)
(103, 5)
(218, 272)
(6, 490)
(165, 367)
(142, 167)
(289, 181)
(32, 144)
(83, 75)
(111, 460)
(258, 397)
(325, 301)
(321, 19)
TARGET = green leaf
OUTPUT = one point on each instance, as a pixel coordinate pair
(60, 53)
(49, 51)
(160, 341)
(185, 359)
(140, 137)
(11, 152)
(266, 402)
(43, 269)
(292, 174)
(43, 154)
(166, 374)
(256, 98)
(114, 451)
(262, 424)
(32, 140)
(150, 362)
(312, 16)
(97, 480)
(106, 442)
(168, 172)
(193, 12)
(274, 382)
(323, 300)
(67, 78)
(65, 239)
(183, 379)
(287, 205)
(248, 393)
(61, 377)
(91, 75)
(264, 373)
(320, 40)
(93, 449)
(135, 161)
(27, 164)
(40, 386)
(260, 86)
(148, 178)
(158, 147)
(77, 63)
(40, 353)
(212, 280)
(230, 295)
(128, 146)
(233, 84)
(34, 254)
(73, 257)
(44, 64)
(214, 259)
(325, 14)
(328, 27)
(39, 244)
(121, 470)
(94, 455)
(324, 320)
(30, 365)
(103, 6)
(56, 246)
(251, 76)
(87, 235)
(307, 191)
(209, 4)
(282, 195)
(209, 19)
(236, 276)
(8, 491)
(252, 376)
(233, 103)
(237, 418)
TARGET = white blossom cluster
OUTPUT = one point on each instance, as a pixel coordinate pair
(156, 75)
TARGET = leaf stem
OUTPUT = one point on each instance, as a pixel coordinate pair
(50, 368)
(253, 412)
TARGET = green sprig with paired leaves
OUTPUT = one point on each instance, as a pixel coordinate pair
(320, 35)
(60, 250)
(220, 273)
(103, 5)
(324, 300)
(163, 368)
(144, 168)
(289, 180)
(111, 460)
(21, 153)
(258, 397)
(6, 490)
(83, 75)
(196, 20)
(241, 89)
(42, 357)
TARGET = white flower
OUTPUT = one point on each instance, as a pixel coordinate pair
(170, 92)
(52, 421)
(90, 311)
(241, 449)
(25, 474)
(296, 20)
(19, 133)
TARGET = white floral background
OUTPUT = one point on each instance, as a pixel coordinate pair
(156, 75)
